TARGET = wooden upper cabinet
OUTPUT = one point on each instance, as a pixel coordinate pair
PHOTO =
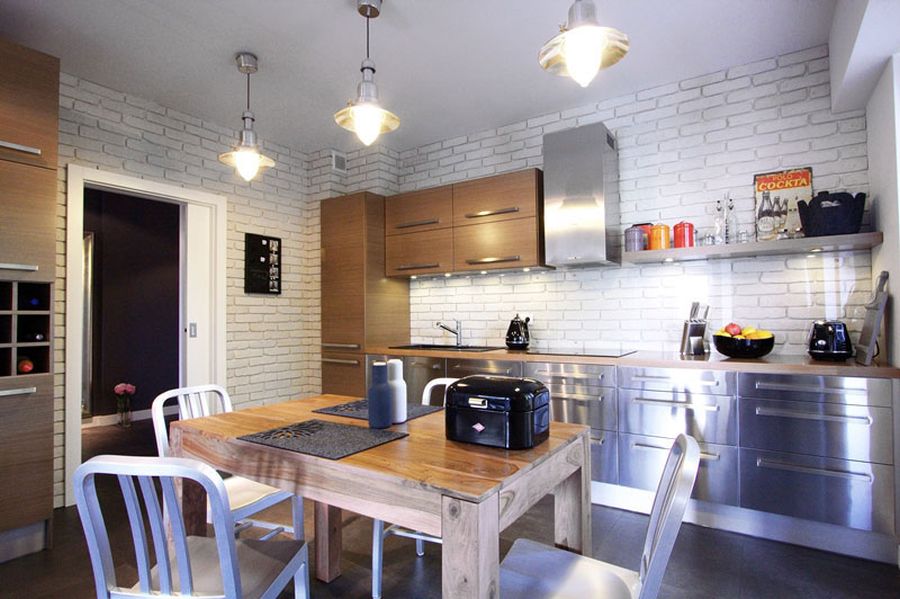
(418, 211)
(29, 106)
(491, 246)
(499, 198)
(28, 209)
(426, 252)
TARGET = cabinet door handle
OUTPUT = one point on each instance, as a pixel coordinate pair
(763, 386)
(418, 223)
(788, 467)
(569, 375)
(780, 413)
(705, 456)
(493, 260)
(579, 398)
(435, 366)
(341, 345)
(681, 405)
(22, 391)
(25, 267)
(505, 371)
(20, 148)
(418, 266)
(642, 378)
(483, 213)
(337, 361)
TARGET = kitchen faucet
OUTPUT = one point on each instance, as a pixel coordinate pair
(456, 331)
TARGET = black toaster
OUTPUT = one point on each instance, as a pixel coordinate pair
(829, 340)
(498, 411)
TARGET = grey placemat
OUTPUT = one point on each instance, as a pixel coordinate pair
(360, 409)
(330, 440)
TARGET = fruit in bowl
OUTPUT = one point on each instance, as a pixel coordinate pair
(736, 341)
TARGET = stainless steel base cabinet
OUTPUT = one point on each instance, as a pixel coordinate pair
(604, 457)
(418, 371)
(708, 418)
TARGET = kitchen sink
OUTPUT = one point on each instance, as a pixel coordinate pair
(446, 347)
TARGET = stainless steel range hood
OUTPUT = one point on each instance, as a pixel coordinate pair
(581, 197)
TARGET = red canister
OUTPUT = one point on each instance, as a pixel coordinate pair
(684, 235)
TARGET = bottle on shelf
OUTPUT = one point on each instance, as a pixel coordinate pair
(765, 219)
(719, 225)
(398, 390)
(731, 223)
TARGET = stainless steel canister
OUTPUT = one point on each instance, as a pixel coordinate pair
(635, 239)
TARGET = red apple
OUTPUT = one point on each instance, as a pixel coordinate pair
(733, 329)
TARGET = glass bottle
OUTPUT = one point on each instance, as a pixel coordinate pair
(765, 219)
(731, 224)
(719, 224)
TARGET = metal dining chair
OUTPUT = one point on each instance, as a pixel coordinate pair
(211, 567)
(379, 532)
(536, 571)
(247, 497)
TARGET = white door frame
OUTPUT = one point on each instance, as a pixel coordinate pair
(77, 178)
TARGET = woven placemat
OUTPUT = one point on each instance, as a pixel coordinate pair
(359, 409)
(323, 439)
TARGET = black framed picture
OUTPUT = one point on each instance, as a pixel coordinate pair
(262, 264)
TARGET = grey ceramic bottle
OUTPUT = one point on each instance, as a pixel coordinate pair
(380, 397)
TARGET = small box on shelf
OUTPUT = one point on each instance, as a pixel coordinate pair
(33, 297)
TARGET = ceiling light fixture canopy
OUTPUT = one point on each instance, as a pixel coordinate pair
(583, 46)
(365, 116)
(246, 157)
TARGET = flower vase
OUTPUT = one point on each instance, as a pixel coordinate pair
(123, 408)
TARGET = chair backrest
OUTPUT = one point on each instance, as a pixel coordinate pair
(426, 392)
(193, 402)
(149, 473)
(672, 494)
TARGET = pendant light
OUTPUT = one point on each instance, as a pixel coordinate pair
(365, 116)
(582, 46)
(245, 157)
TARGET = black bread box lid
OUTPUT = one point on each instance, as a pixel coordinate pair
(502, 393)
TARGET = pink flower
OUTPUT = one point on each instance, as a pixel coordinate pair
(124, 389)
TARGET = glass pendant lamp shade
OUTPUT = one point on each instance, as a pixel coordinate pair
(583, 47)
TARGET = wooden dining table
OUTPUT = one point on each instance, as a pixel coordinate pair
(462, 492)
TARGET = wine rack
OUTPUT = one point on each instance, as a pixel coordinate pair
(25, 328)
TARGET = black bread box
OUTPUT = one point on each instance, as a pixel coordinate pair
(498, 411)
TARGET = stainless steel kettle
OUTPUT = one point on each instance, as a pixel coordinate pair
(517, 336)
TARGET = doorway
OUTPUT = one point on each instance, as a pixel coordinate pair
(200, 332)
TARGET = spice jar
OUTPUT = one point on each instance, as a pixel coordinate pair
(635, 239)
(659, 237)
(684, 235)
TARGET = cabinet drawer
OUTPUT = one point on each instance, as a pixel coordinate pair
(26, 450)
(685, 380)
(821, 429)
(708, 418)
(416, 211)
(459, 368)
(604, 457)
(642, 459)
(344, 374)
(28, 206)
(495, 199)
(426, 252)
(418, 371)
(591, 375)
(506, 244)
(593, 406)
(29, 106)
(833, 389)
(854, 494)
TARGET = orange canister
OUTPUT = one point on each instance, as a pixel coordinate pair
(659, 237)
(684, 235)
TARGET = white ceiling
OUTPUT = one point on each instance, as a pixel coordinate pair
(446, 68)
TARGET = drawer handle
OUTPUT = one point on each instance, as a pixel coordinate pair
(682, 405)
(865, 420)
(641, 378)
(763, 386)
(418, 223)
(483, 213)
(777, 465)
(435, 366)
(493, 260)
(20, 148)
(705, 456)
(338, 361)
(341, 345)
(25, 267)
(418, 266)
(599, 440)
(22, 391)
(581, 398)
(506, 371)
(567, 375)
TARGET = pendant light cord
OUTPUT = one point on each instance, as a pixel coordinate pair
(367, 37)
(248, 92)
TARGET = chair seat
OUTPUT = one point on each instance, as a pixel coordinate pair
(260, 563)
(535, 571)
(243, 492)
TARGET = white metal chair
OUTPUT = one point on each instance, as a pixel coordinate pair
(246, 497)
(218, 566)
(535, 571)
(379, 532)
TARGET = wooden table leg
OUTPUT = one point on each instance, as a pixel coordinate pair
(572, 509)
(193, 508)
(328, 541)
(470, 558)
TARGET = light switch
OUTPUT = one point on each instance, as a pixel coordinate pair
(192, 329)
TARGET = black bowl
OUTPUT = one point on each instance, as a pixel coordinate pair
(743, 348)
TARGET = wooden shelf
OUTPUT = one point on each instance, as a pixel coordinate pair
(804, 245)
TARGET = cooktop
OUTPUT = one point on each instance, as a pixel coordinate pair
(577, 351)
